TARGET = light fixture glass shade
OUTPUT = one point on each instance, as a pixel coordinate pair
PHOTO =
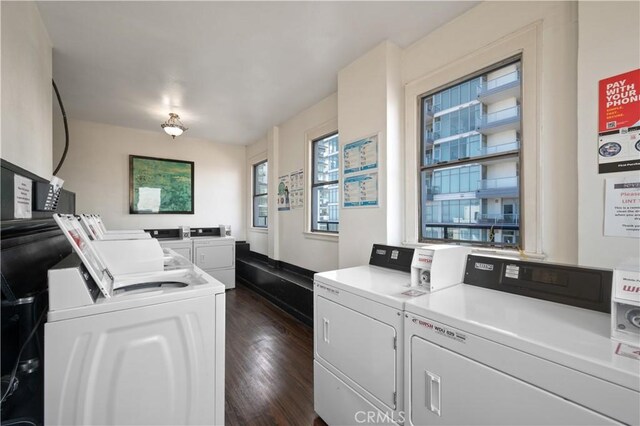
(173, 126)
(173, 130)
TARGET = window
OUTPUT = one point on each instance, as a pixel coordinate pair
(260, 197)
(325, 188)
(470, 161)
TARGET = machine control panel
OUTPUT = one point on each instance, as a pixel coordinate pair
(71, 285)
(397, 258)
(587, 288)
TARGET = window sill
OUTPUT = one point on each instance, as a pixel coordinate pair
(322, 236)
(489, 251)
(259, 230)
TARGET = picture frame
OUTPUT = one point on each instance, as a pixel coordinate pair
(160, 185)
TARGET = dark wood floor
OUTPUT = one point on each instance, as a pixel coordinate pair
(269, 364)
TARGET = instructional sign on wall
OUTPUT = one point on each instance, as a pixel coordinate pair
(622, 207)
(296, 192)
(360, 155)
(283, 201)
(21, 197)
(361, 190)
(619, 123)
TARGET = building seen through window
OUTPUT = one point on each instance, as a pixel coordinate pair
(470, 165)
(325, 187)
(260, 196)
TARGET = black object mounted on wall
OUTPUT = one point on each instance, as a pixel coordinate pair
(29, 248)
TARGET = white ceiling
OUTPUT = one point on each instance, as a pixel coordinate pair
(230, 69)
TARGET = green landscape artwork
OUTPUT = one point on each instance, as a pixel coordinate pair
(158, 185)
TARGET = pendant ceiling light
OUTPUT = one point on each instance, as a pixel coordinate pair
(173, 126)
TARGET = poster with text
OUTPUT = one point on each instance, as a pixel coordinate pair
(283, 201)
(360, 190)
(296, 192)
(622, 207)
(360, 155)
(619, 123)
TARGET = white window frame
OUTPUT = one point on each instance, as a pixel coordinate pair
(311, 135)
(315, 184)
(525, 43)
(254, 195)
(256, 159)
(434, 168)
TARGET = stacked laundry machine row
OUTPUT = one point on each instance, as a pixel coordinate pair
(134, 334)
(441, 336)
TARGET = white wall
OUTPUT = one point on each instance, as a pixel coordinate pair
(547, 33)
(256, 237)
(294, 245)
(371, 99)
(97, 170)
(370, 102)
(609, 41)
(26, 89)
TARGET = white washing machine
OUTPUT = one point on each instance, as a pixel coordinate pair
(492, 356)
(143, 348)
(94, 226)
(358, 351)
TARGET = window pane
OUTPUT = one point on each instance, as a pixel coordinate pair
(477, 200)
(326, 203)
(325, 197)
(464, 93)
(260, 198)
(260, 211)
(260, 176)
(326, 159)
(455, 95)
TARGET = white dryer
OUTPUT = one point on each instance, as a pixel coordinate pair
(492, 356)
(143, 348)
(183, 247)
(358, 354)
(217, 257)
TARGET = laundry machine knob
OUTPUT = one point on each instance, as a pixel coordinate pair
(633, 316)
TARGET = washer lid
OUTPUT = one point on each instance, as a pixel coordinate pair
(574, 337)
(139, 290)
(381, 285)
(83, 247)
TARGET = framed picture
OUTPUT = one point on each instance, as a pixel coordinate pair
(160, 186)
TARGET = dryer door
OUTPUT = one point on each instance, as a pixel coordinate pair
(450, 389)
(360, 347)
(214, 256)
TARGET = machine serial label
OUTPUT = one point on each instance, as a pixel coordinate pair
(512, 271)
(443, 331)
(484, 266)
(628, 351)
(329, 289)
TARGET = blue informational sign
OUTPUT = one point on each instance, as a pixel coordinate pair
(360, 155)
(361, 190)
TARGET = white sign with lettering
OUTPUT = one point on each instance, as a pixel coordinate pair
(622, 207)
(21, 197)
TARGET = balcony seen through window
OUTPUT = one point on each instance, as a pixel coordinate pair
(470, 162)
(325, 187)
(260, 195)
